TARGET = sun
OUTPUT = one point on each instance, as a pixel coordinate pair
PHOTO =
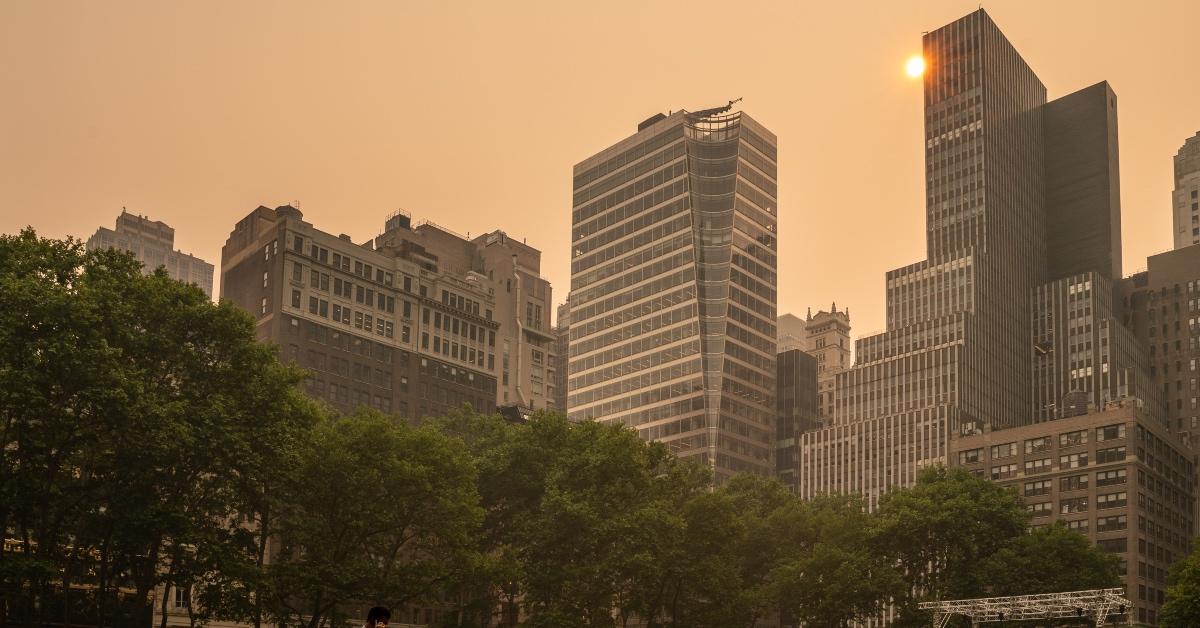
(915, 66)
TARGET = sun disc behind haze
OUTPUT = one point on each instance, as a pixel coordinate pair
(915, 66)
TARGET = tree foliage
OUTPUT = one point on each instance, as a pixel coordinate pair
(377, 511)
(953, 535)
(1047, 560)
(1182, 608)
(130, 404)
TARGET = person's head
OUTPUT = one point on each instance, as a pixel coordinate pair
(378, 616)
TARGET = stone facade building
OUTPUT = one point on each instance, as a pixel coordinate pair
(510, 272)
(416, 322)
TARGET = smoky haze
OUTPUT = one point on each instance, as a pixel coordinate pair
(472, 114)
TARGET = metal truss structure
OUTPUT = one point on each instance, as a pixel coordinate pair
(1095, 604)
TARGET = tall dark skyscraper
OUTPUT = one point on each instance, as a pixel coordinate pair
(798, 409)
(673, 287)
(1019, 192)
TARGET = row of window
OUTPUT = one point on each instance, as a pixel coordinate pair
(1070, 483)
(1073, 505)
(1043, 443)
(344, 315)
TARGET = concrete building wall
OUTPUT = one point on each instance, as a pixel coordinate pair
(509, 271)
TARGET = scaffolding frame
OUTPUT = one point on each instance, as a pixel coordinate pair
(1095, 604)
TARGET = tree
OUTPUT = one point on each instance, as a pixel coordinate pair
(756, 500)
(1183, 593)
(1050, 559)
(584, 522)
(129, 404)
(827, 573)
(375, 512)
(582, 534)
(939, 531)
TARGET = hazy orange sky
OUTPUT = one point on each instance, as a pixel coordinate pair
(472, 114)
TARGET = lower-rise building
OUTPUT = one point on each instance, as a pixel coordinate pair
(1118, 476)
(374, 329)
(871, 456)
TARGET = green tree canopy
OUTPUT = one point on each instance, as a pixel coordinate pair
(1182, 609)
(941, 529)
(1049, 559)
(377, 512)
(130, 405)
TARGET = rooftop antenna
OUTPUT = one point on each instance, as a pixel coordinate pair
(717, 110)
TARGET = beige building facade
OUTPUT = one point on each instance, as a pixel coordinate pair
(152, 242)
(509, 271)
(827, 336)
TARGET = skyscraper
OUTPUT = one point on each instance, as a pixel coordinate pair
(1186, 197)
(152, 242)
(1019, 192)
(673, 287)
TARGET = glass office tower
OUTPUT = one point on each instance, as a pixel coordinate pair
(673, 287)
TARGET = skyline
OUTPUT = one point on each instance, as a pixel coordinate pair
(196, 136)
